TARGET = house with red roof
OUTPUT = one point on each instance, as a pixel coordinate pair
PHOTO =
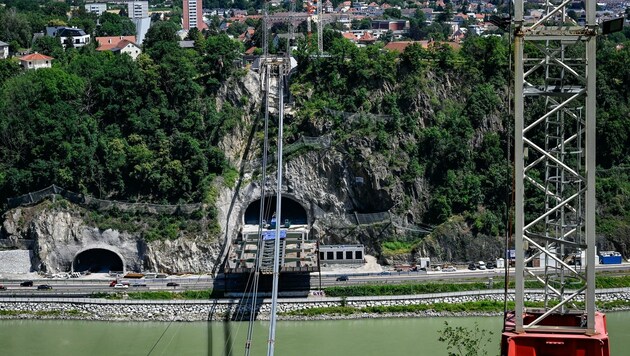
(120, 45)
(366, 38)
(36, 61)
(109, 42)
(350, 36)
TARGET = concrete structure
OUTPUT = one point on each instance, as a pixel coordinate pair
(78, 37)
(137, 9)
(192, 15)
(142, 27)
(36, 61)
(341, 253)
(97, 8)
(4, 50)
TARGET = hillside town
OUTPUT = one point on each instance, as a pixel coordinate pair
(120, 26)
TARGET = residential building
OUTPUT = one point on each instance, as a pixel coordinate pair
(4, 50)
(97, 8)
(36, 61)
(109, 42)
(128, 48)
(192, 15)
(68, 35)
(391, 25)
(137, 9)
(119, 45)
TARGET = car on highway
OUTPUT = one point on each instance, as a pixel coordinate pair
(172, 284)
(385, 273)
(449, 269)
(472, 267)
(2, 287)
(342, 278)
(26, 284)
(44, 286)
(120, 286)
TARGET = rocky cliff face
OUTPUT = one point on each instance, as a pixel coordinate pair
(348, 177)
(59, 235)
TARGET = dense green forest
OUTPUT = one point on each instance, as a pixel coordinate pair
(148, 130)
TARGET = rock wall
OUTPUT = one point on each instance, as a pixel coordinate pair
(58, 235)
(218, 310)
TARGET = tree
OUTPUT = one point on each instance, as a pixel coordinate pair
(84, 20)
(446, 15)
(462, 341)
(115, 25)
(221, 52)
(15, 27)
(392, 13)
(57, 9)
(8, 68)
(55, 142)
(161, 31)
(50, 46)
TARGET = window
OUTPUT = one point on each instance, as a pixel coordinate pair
(359, 255)
(321, 255)
(348, 255)
(340, 255)
(330, 255)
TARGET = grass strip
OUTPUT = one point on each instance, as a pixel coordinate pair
(433, 287)
(162, 295)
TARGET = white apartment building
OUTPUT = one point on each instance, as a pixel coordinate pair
(97, 8)
(138, 9)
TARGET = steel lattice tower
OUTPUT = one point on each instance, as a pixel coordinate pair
(554, 108)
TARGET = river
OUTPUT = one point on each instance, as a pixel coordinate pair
(363, 337)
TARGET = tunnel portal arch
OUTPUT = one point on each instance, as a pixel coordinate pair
(291, 210)
(97, 260)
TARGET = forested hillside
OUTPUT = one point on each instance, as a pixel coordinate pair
(149, 130)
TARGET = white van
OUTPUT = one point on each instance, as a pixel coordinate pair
(481, 265)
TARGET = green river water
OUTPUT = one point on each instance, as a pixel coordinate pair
(363, 337)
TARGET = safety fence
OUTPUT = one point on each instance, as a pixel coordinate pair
(355, 116)
(100, 204)
(368, 219)
(304, 141)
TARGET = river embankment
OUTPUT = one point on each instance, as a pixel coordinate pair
(240, 309)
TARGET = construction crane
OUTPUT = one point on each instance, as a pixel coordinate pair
(554, 165)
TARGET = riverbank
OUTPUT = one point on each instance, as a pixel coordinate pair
(325, 308)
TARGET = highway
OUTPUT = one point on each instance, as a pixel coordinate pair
(86, 286)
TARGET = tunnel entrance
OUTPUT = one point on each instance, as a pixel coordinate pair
(291, 210)
(97, 260)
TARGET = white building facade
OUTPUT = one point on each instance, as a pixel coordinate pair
(97, 8)
(138, 9)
